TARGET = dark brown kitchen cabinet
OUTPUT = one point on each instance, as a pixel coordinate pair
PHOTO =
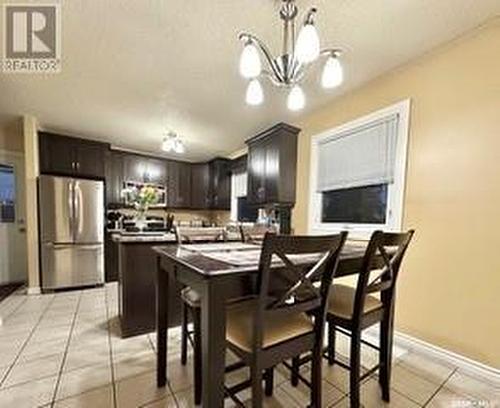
(178, 184)
(69, 156)
(271, 166)
(220, 184)
(200, 186)
(144, 169)
(114, 178)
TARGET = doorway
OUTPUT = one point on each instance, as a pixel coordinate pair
(13, 264)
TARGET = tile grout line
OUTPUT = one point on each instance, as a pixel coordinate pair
(30, 335)
(56, 388)
(113, 383)
(22, 302)
(440, 387)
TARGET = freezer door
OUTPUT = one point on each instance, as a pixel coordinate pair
(89, 211)
(56, 209)
(65, 266)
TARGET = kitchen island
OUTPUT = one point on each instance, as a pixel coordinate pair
(136, 282)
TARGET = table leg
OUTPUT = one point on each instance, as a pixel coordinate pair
(162, 281)
(213, 335)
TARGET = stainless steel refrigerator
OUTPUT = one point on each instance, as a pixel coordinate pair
(71, 232)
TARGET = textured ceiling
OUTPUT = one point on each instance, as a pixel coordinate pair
(132, 69)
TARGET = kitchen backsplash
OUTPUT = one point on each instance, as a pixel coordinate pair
(210, 216)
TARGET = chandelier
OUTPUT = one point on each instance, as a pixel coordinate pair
(288, 69)
(172, 143)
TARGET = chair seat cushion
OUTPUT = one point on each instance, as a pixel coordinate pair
(341, 302)
(239, 326)
(191, 297)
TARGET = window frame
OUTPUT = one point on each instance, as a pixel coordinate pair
(396, 190)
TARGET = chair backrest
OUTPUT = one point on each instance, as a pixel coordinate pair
(380, 268)
(295, 275)
(255, 233)
(197, 234)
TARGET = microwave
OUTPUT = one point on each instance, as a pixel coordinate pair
(162, 192)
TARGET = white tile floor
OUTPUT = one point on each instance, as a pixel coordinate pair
(64, 350)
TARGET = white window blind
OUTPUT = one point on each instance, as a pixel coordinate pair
(239, 184)
(359, 157)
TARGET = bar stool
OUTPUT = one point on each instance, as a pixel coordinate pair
(191, 302)
(287, 315)
(352, 310)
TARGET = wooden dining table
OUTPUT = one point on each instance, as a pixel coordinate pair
(218, 272)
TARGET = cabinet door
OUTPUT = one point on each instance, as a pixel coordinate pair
(56, 154)
(114, 178)
(200, 186)
(257, 173)
(220, 183)
(134, 167)
(273, 176)
(155, 171)
(90, 160)
(178, 184)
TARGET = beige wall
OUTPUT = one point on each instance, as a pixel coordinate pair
(11, 136)
(449, 288)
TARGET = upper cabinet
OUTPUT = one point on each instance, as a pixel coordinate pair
(200, 175)
(271, 166)
(178, 184)
(199, 186)
(114, 178)
(220, 184)
(69, 156)
(144, 169)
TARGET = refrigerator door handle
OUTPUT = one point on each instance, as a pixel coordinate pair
(78, 208)
(71, 208)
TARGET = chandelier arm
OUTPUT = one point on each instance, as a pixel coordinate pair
(271, 76)
(265, 51)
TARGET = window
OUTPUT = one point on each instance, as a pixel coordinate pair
(246, 212)
(359, 205)
(238, 193)
(7, 194)
(357, 173)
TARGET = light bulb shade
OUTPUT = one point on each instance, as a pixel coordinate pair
(255, 94)
(168, 144)
(333, 74)
(307, 48)
(296, 99)
(179, 146)
(250, 64)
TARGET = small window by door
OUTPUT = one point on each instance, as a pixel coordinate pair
(7, 194)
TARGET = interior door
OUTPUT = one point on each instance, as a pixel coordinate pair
(13, 266)
(89, 211)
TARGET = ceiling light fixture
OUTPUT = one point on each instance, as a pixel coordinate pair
(288, 69)
(172, 143)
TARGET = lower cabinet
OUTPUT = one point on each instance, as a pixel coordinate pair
(137, 291)
(110, 259)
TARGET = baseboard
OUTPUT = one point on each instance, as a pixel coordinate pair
(466, 364)
(35, 290)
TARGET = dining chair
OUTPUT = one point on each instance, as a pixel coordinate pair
(191, 302)
(286, 317)
(255, 233)
(352, 310)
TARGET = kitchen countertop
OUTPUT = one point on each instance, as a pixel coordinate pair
(134, 238)
(117, 236)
